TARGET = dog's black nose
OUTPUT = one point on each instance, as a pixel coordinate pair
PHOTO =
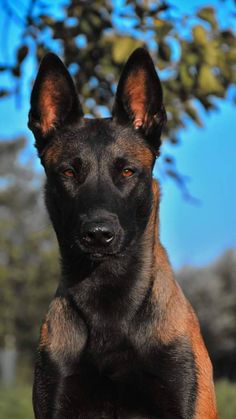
(97, 235)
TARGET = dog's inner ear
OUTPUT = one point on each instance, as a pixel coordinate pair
(54, 100)
(139, 98)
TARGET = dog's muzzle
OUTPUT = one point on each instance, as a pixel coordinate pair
(97, 235)
(100, 237)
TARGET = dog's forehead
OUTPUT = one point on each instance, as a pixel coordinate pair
(103, 133)
(99, 137)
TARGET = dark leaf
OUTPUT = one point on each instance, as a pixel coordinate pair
(22, 53)
(4, 93)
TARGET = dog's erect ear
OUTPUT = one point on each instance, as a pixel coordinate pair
(139, 97)
(54, 100)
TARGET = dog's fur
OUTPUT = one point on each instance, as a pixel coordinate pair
(119, 339)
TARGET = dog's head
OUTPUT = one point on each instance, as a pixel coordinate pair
(99, 171)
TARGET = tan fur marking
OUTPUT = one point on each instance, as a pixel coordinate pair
(179, 320)
(143, 155)
(156, 201)
(136, 151)
(205, 403)
(52, 154)
(146, 255)
(67, 334)
(166, 292)
(149, 238)
(43, 335)
(135, 88)
(151, 233)
(48, 105)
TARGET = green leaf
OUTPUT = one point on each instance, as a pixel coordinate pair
(231, 54)
(211, 53)
(208, 82)
(122, 48)
(190, 58)
(186, 79)
(162, 27)
(199, 35)
(208, 14)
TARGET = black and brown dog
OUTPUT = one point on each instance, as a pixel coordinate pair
(119, 340)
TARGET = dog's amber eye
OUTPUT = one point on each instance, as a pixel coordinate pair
(127, 172)
(69, 173)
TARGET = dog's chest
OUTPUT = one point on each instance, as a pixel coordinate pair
(112, 367)
(111, 352)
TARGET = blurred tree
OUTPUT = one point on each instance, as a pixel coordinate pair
(212, 292)
(195, 55)
(28, 252)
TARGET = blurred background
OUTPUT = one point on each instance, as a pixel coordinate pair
(193, 46)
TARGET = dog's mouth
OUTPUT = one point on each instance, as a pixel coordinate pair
(98, 253)
(98, 256)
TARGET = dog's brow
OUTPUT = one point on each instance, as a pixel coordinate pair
(135, 151)
(52, 154)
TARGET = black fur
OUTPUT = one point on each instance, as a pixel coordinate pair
(99, 357)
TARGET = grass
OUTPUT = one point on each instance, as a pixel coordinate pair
(15, 401)
(226, 399)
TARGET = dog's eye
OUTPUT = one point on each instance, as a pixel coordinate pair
(69, 173)
(127, 172)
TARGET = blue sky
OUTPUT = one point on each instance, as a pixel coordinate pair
(192, 233)
(198, 233)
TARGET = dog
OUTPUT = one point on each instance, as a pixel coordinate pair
(120, 340)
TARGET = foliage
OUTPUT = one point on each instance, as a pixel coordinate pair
(28, 252)
(195, 55)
